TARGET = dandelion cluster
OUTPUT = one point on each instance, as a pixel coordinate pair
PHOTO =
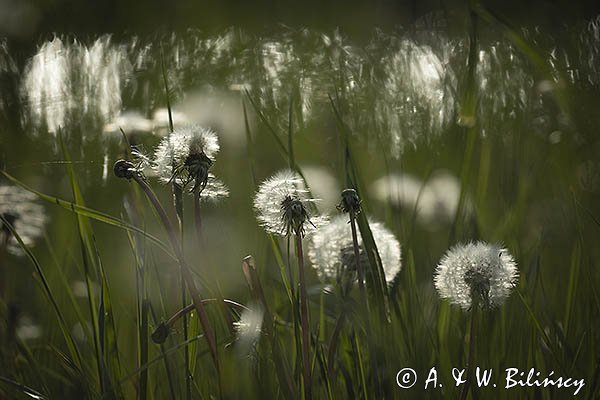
(283, 206)
(19, 209)
(331, 249)
(185, 158)
(478, 273)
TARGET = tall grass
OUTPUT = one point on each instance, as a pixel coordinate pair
(165, 262)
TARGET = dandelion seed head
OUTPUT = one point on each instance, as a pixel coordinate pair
(185, 157)
(331, 249)
(283, 206)
(248, 328)
(478, 271)
(27, 217)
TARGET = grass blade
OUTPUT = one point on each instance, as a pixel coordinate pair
(91, 213)
(72, 347)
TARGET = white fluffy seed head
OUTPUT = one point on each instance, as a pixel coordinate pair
(248, 328)
(27, 217)
(331, 249)
(176, 149)
(270, 208)
(478, 271)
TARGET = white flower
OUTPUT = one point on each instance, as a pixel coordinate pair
(283, 206)
(185, 157)
(331, 249)
(479, 269)
(27, 217)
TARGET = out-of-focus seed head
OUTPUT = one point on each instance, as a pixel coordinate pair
(476, 274)
(20, 210)
(331, 250)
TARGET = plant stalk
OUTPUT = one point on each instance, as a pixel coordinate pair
(306, 360)
(187, 275)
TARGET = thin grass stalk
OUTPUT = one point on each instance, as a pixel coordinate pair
(306, 360)
(91, 213)
(359, 266)
(198, 226)
(178, 203)
(291, 136)
(333, 343)
(283, 374)
(168, 370)
(74, 351)
(189, 279)
(143, 384)
(186, 350)
(469, 115)
(471, 355)
(142, 321)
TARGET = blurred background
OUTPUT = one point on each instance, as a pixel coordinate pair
(466, 123)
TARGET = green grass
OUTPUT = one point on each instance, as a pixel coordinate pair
(137, 257)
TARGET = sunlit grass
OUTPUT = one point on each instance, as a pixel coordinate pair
(183, 299)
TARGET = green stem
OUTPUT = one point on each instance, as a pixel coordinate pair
(359, 266)
(306, 360)
(471, 355)
(198, 225)
(187, 275)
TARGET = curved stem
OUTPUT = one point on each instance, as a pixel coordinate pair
(187, 275)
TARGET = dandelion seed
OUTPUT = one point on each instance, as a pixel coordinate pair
(185, 157)
(331, 250)
(283, 206)
(479, 273)
(27, 217)
(248, 328)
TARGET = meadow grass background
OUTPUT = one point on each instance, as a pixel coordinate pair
(508, 109)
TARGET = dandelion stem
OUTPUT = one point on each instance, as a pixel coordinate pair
(359, 266)
(304, 319)
(197, 215)
(187, 275)
(333, 342)
(471, 355)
